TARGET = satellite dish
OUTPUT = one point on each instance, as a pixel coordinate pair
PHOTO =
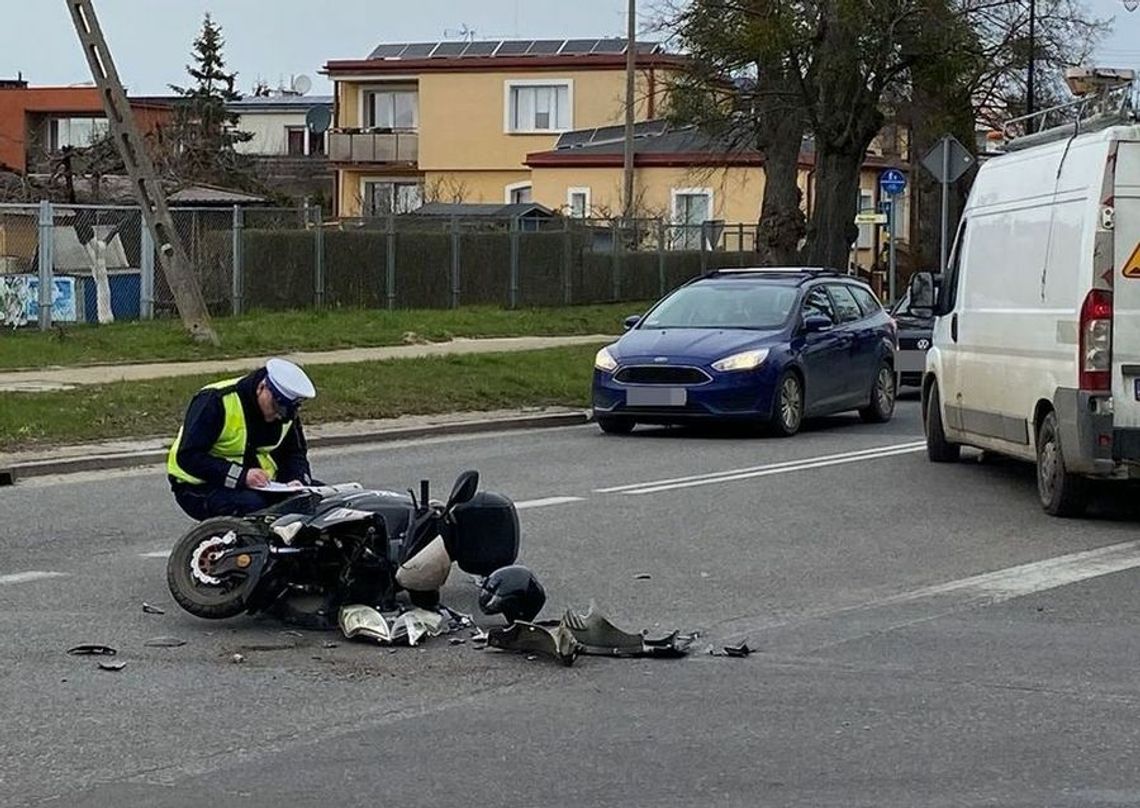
(318, 119)
(302, 84)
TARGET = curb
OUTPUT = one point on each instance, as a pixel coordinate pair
(42, 468)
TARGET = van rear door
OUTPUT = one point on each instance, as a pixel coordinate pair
(1126, 291)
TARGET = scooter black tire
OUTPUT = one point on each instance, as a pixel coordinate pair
(199, 598)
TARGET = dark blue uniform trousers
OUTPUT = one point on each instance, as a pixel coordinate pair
(204, 501)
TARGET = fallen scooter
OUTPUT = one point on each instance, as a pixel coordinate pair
(340, 545)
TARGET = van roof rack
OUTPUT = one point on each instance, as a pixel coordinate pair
(1105, 97)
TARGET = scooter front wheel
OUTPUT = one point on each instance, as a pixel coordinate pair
(198, 582)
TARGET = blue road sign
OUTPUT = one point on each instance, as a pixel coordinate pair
(892, 181)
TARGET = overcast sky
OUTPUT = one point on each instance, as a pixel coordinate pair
(274, 39)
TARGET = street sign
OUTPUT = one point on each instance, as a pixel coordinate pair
(947, 160)
(892, 182)
(870, 218)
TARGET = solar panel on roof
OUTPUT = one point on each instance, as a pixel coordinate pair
(649, 47)
(449, 49)
(610, 46)
(418, 49)
(570, 140)
(545, 47)
(481, 48)
(388, 50)
(576, 46)
(513, 47)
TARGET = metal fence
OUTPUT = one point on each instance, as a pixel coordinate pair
(87, 264)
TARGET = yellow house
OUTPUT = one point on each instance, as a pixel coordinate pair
(541, 121)
(455, 121)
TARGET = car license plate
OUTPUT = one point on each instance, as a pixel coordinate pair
(656, 397)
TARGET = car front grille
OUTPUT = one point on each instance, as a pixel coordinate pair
(661, 374)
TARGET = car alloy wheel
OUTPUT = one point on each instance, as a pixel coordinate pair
(791, 404)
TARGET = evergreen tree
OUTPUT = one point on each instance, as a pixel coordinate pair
(205, 132)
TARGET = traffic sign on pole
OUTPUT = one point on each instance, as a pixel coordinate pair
(892, 182)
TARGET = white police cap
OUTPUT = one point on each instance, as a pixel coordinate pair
(288, 380)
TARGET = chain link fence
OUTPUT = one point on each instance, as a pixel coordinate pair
(86, 264)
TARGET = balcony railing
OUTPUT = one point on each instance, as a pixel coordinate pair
(374, 147)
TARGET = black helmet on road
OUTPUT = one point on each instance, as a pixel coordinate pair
(513, 592)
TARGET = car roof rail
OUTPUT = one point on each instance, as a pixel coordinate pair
(807, 272)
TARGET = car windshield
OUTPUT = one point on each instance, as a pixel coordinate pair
(725, 305)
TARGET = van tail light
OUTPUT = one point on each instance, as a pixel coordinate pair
(1096, 342)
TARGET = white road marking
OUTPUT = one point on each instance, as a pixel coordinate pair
(1026, 579)
(732, 475)
(24, 577)
(816, 630)
(156, 554)
(542, 503)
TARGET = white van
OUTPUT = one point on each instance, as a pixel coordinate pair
(1036, 346)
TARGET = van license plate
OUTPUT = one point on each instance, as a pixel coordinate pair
(656, 397)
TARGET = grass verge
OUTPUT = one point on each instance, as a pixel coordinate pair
(550, 377)
(281, 332)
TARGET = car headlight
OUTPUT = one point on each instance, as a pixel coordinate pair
(742, 361)
(604, 360)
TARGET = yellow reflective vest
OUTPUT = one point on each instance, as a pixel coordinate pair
(230, 444)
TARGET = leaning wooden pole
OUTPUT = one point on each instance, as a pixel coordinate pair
(128, 139)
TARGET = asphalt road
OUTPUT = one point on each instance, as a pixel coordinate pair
(924, 635)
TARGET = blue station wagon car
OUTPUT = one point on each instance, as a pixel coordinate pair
(770, 346)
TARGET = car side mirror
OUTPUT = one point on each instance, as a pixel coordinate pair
(630, 321)
(814, 323)
(922, 297)
(464, 489)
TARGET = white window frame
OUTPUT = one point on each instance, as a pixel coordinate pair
(676, 192)
(517, 186)
(54, 121)
(511, 84)
(405, 86)
(389, 179)
(585, 191)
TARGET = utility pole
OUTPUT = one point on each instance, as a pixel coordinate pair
(1029, 106)
(128, 139)
(630, 61)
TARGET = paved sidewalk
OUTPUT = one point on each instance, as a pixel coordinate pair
(68, 378)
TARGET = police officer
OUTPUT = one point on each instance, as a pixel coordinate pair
(239, 435)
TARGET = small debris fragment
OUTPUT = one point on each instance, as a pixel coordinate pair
(92, 650)
(705, 574)
(643, 576)
(531, 657)
(457, 641)
(393, 650)
(293, 633)
(741, 650)
(164, 642)
(112, 666)
(148, 609)
(237, 659)
(329, 645)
